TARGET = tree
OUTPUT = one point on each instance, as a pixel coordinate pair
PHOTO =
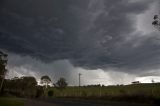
(39, 91)
(45, 80)
(27, 85)
(3, 63)
(156, 22)
(3, 70)
(61, 83)
(28, 81)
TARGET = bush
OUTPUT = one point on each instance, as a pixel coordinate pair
(40, 92)
(50, 93)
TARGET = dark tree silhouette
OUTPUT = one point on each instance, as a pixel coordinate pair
(45, 80)
(61, 83)
(25, 86)
(155, 17)
(3, 70)
(29, 81)
(28, 85)
(156, 22)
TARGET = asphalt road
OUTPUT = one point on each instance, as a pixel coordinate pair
(29, 102)
(58, 103)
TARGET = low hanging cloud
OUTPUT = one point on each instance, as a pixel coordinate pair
(63, 68)
(90, 34)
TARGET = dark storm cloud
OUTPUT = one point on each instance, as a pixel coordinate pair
(89, 33)
(105, 31)
(38, 30)
(145, 56)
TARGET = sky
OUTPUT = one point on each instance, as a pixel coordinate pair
(108, 41)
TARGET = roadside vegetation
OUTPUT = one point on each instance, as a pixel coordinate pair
(148, 93)
(10, 102)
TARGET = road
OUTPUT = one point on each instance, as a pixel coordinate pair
(40, 103)
(29, 102)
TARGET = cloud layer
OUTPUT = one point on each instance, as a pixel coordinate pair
(63, 68)
(90, 34)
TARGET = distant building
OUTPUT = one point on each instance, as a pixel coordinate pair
(136, 82)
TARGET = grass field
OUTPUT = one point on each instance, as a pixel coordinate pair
(136, 92)
(10, 102)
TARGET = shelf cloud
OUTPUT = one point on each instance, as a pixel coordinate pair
(90, 34)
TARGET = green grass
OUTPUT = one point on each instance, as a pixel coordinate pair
(130, 90)
(4, 101)
(136, 92)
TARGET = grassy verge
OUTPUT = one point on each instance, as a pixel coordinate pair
(144, 93)
(10, 102)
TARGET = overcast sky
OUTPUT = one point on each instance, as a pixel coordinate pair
(108, 41)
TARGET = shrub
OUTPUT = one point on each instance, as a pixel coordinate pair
(50, 93)
(39, 92)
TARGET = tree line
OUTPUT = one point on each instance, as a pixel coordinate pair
(25, 86)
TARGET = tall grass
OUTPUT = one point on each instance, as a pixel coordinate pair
(136, 92)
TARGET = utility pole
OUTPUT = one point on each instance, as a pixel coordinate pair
(152, 81)
(79, 75)
(79, 79)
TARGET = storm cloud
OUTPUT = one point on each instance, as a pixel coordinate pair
(89, 34)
